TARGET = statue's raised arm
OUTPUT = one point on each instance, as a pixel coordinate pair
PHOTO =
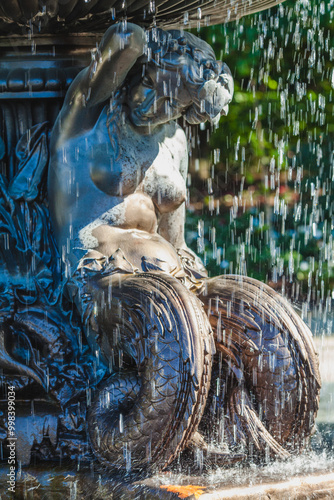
(120, 47)
(118, 158)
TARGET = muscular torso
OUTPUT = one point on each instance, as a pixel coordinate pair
(114, 177)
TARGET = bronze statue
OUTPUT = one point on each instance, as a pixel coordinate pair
(121, 334)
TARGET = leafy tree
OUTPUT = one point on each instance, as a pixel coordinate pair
(264, 201)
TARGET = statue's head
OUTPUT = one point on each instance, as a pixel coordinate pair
(180, 76)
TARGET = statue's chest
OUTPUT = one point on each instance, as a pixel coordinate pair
(121, 161)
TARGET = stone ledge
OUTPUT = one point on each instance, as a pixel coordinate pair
(94, 486)
(317, 486)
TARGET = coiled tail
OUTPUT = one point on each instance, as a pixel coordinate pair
(266, 379)
(146, 411)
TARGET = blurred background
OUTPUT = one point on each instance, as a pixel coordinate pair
(261, 185)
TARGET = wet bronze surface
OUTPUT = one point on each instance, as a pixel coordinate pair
(116, 344)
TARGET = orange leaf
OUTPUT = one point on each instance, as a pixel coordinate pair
(184, 491)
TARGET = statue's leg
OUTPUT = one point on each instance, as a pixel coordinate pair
(155, 337)
(265, 382)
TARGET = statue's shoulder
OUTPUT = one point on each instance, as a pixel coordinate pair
(176, 138)
(180, 133)
(173, 131)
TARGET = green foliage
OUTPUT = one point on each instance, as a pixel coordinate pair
(272, 158)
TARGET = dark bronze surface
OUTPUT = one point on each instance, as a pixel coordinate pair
(28, 16)
(268, 366)
(109, 325)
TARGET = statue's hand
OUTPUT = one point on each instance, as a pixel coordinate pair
(120, 48)
(126, 35)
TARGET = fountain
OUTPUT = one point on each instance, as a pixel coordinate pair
(110, 325)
